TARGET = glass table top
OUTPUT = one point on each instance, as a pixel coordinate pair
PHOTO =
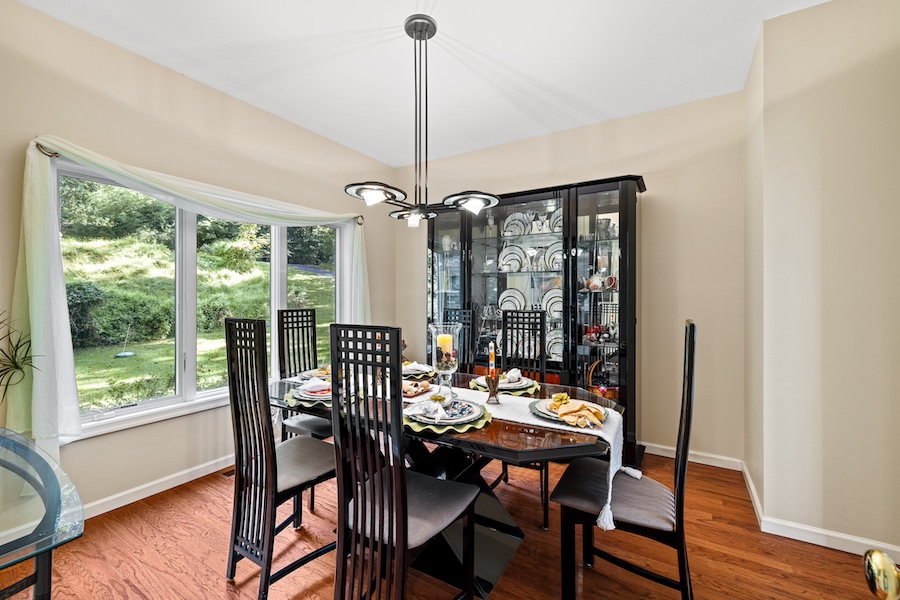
(40, 509)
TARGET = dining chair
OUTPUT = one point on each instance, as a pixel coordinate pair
(639, 506)
(467, 335)
(297, 352)
(266, 474)
(524, 343)
(385, 511)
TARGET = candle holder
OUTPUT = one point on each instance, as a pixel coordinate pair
(444, 358)
(493, 384)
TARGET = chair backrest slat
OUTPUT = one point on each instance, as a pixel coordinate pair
(371, 463)
(682, 449)
(296, 341)
(524, 340)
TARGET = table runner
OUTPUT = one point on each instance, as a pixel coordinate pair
(515, 408)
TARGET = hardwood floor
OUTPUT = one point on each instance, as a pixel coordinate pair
(173, 546)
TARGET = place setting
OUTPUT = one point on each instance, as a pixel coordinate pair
(576, 413)
(314, 391)
(439, 414)
(512, 382)
(416, 370)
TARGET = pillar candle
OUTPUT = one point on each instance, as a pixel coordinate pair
(445, 343)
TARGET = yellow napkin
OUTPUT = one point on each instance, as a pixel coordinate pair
(580, 414)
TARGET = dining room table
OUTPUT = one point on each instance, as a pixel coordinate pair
(516, 430)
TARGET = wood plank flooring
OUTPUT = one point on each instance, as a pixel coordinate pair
(173, 546)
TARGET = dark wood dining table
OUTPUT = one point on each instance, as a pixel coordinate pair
(462, 456)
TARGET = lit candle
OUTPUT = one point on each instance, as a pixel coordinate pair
(445, 343)
(491, 357)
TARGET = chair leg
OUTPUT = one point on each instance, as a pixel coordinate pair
(469, 552)
(545, 493)
(587, 544)
(567, 553)
(232, 563)
(684, 572)
(504, 473)
(312, 498)
(298, 511)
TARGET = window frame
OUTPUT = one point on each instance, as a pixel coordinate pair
(187, 399)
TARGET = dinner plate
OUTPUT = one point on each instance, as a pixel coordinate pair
(515, 224)
(320, 373)
(512, 258)
(541, 408)
(552, 303)
(511, 299)
(553, 257)
(556, 220)
(324, 396)
(458, 412)
(555, 344)
(522, 384)
(416, 373)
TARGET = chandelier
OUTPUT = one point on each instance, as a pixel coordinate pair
(420, 28)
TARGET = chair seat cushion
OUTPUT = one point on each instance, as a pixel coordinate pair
(432, 505)
(301, 460)
(643, 501)
(309, 425)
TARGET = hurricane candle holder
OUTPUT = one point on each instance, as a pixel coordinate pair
(444, 358)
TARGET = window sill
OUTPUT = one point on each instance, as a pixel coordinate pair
(137, 418)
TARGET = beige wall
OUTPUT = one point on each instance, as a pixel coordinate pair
(57, 80)
(831, 175)
(691, 250)
(754, 432)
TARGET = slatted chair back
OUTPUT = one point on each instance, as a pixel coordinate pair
(524, 339)
(255, 471)
(467, 335)
(371, 474)
(296, 341)
(682, 448)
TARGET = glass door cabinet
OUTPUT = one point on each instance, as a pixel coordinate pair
(569, 251)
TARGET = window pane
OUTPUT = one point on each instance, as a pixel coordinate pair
(119, 263)
(310, 278)
(233, 280)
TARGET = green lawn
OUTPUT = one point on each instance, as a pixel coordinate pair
(105, 381)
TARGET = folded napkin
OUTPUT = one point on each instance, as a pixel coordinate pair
(513, 375)
(315, 385)
(415, 367)
(579, 414)
(427, 408)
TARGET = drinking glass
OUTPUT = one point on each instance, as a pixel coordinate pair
(444, 356)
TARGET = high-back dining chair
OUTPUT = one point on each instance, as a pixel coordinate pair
(266, 474)
(524, 340)
(640, 506)
(467, 335)
(384, 510)
(297, 353)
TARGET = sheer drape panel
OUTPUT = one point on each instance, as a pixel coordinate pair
(46, 406)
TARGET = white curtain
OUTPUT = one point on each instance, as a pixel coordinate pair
(45, 404)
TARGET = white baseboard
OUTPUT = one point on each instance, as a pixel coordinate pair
(98, 507)
(813, 535)
(795, 531)
(824, 537)
(701, 458)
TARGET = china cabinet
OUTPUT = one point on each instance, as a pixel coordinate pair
(569, 251)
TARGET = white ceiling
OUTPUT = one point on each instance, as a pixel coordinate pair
(499, 70)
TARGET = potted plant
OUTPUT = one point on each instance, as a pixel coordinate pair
(15, 355)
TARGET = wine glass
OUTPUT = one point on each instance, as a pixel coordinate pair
(444, 356)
